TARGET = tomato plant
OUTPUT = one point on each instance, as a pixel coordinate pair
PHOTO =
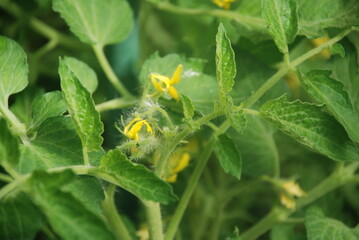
(179, 119)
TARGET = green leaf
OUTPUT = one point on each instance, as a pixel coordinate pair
(88, 190)
(337, 49)
(258, 149)
(229, 156)
(282, 20)
(56, 144)
(251, 24)
(346, 70)
(83, 72)
(82, 109)
(136, 179)
(188, 108)
(13, 69)
(200, 88)
(321, 228)
(69, 218)
(19, 218)
(315, 18)
(237, 118)
(310, 125)
(9, 146)
(331, 92)
(45, 106)
(97, 22)
(225, 62)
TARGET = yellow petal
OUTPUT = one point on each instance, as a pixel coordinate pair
(183, 162)
(293, 188)
(128, 126)
(173, 92)
(160, 82)
(287, 201)
(172, 178)
(148, 127)
(176, 77)
(134, 130)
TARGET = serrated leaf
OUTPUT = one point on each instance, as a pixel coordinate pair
(69, 218)
(188, 108)
(229, 156)
(321, 228)
(82, 109)
(311, 126)
(331, 92)
(9, 145)
(97, 22)
(237, 118)
(50, 104)
(56, 144)
(83, 72)
(136, 179)
(337, 49)
(200, 88)
(258, 149)
(13, 69)
(315, 18)
(282, 20)
(225, 62)
(19, 218)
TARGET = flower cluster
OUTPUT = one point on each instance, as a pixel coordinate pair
(289, 190)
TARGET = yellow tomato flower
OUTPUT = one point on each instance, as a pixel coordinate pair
(290, 189)
(325, 53)
(287, 201)
(178, 162)
(132, 129)
(293, 188)
(165, 84)
(225, 4)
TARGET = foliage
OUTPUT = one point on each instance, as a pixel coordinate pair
(179, 119)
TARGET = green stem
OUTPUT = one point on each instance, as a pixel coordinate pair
(18, 127)
(338, 178)
(116, 103)
(112, 77)
(114, 220)
(168, 149)
(41, 27)
(318, 49)
(266, 86)
(283, 71)
(265, 224)
(85, 155)
(177, 217)
(5, 178)
(154, 218)
(249, 21)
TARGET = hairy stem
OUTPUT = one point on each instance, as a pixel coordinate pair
(116, 103)
(18, 127)
(338, 178)
(283, 71)
(182, 206)
(112, 77)
(154, 218)
(113, 218)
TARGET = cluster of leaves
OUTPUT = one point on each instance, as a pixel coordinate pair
(60, 167)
